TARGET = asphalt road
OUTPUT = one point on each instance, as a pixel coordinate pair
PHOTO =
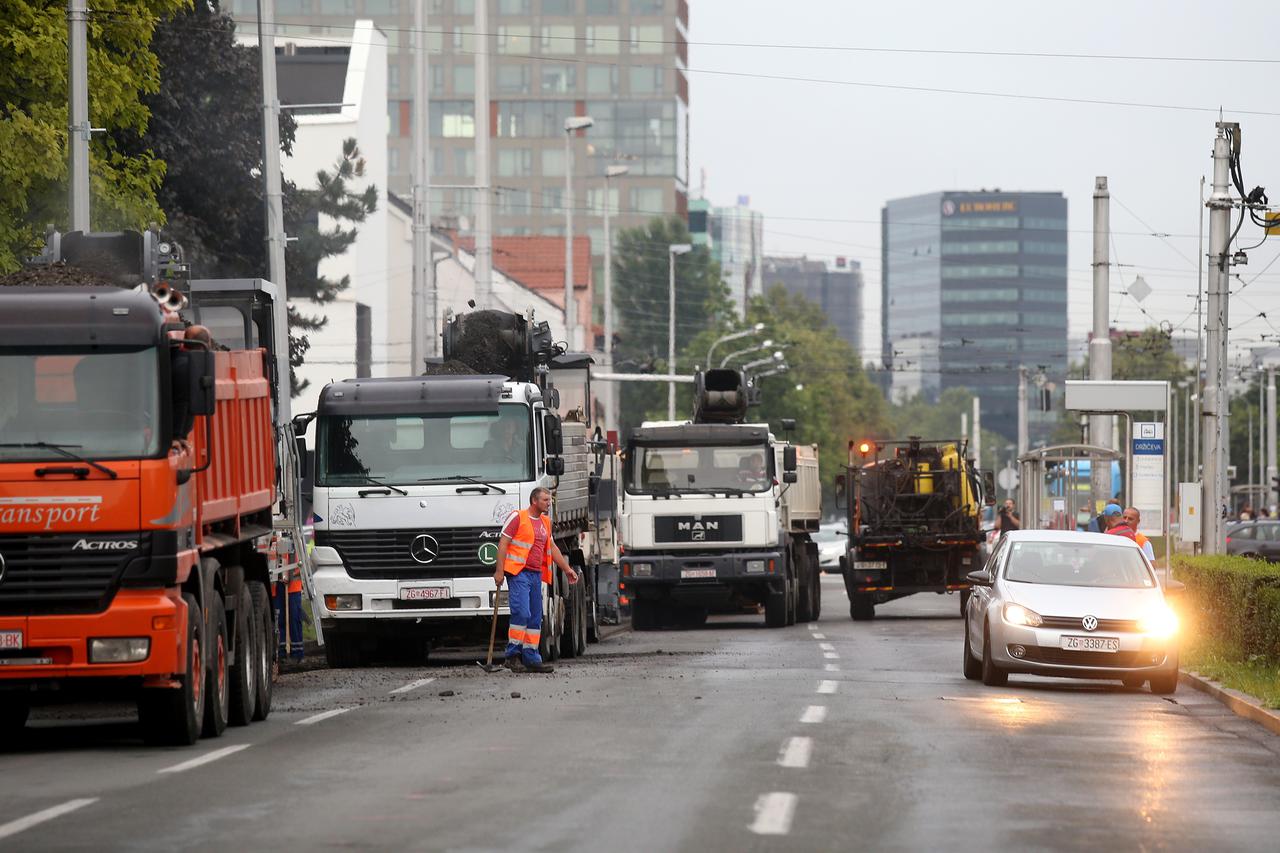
(826, 736)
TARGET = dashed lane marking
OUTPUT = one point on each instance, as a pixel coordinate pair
(413, 685)
(831, 656)
(814, 714)
(826, 647)
(831, 667)
(819, 636)
(324, 715)
(828, 687)
(13, 827)
(795, 752)
(207, 758)
(774, 812)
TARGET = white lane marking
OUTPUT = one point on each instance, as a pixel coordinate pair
(827, 686)
(830, 656)
(13, 827)
(774, 812)
(811, 625)
(826, 647)
(819, 636)
(814, 714)
(831, 667)
(795, 752)
(413, 685)
(205, 759)
(324, 715)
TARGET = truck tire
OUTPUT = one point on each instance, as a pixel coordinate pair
(244, 668)
(644, 615)
(793, 600)
(14, 710)
(549, 643)
(775, 609)
(172, 717)
(573, 639)
(218, 700)
(817, 592)
(264, 648)
(861, 607)
(992, 674)
(593, 605)
(342, 652)
(584, 619)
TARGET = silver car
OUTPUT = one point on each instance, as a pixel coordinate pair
(1070, 605)
(832, 542)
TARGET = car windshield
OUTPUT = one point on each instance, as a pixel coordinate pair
(422, 448)
(1078, 564)
(99, 405)
(701, 469)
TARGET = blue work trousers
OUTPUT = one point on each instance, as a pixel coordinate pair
(295, 624)
(524, 594)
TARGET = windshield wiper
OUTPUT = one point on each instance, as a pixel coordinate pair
(378, 482)
(62, 448)
(469, 479)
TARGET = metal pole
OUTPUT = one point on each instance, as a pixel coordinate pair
(977, 431)
(1023, 441)
(611, 393)
(1259, 497)
(671, 332)
(422, 321)
(1192, 474)
(271, 144)
(570, 315)
(78, 128)
(1100, 432)
(1214, 502)
(1272, 496)
(484, 194)
(1171, 441)
(1188, 426)
(1249, 453)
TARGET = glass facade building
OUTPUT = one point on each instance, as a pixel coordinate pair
(974, 285)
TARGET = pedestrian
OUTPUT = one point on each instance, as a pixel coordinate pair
(526, 552)
(290, 643)
(1116, 525)
(1246, 514)
(1133, 518)
(1009, 518)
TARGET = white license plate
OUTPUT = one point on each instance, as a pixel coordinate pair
(1091, 644)
(697, 573)
(425, 593)
(870, 564)
(10, 639)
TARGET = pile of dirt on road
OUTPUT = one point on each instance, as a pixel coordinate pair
(63, 275)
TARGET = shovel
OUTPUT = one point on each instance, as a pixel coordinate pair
(489, 665)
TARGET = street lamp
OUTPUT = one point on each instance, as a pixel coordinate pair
(761, 362)
(672, 250)
(571, 125)
(763, 345)
(611, 418)
(758, 327)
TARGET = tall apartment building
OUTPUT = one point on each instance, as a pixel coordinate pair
(974, 284)
(835, 288)
(622, 62)
(735, 237)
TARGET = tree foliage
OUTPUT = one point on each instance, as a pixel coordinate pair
(34, 118)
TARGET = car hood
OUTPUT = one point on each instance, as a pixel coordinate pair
(1080, 601)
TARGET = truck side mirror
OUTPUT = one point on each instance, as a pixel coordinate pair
(301, 422)
(789, 458)
(789, 476)
(552, 435)
(303, 467)
(555, 466)
(989, 488)
(841, 484)
(202, 387)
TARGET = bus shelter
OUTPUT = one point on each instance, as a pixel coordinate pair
(1056, 484)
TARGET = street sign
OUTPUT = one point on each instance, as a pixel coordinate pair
(1007, 479)
(1147, 492)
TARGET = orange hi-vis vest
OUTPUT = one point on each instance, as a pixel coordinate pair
(520, 544)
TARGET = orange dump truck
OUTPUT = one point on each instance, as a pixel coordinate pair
(137, 482)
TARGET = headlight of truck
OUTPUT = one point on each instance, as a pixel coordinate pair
(755, 566)
(1016, 614)
(119, 649)
(642, 570)
(335, 603)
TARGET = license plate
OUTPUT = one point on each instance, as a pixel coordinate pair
(10, 639)
(870, 564)
(425, 593)
(1091, 644)
(697, 573)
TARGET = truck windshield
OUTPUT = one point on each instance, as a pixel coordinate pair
(421, 448)
(701, 469)
(102, 404)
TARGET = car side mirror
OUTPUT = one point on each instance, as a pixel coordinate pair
(841, 484)
(789, 476)
(552, 435)
(979, 578)
(789, 458)
(202, 386)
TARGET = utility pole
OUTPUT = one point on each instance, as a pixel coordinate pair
(1272, 496)
(423, 314)
(1100, 433)
(1199, 380)
(1023, 441)
(484, 193)
(611, 389)
(570, 310)
(977, 430)
(1215, 487)
(271, 144)
(78, 129)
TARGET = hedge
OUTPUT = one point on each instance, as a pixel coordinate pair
(1233, 602)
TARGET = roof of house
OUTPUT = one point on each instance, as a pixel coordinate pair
(538, 262)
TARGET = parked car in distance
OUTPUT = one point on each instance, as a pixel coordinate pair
(1258, 539)
(833, 542)
(1070, 605)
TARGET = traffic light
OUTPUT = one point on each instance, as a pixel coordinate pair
(866, 448)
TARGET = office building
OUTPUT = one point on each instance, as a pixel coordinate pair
(974, 284)
(836, 287)
(735, 237)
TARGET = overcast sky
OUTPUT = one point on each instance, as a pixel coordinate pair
(819, 159)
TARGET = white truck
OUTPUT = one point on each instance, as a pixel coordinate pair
(414, 477)
(719, 513)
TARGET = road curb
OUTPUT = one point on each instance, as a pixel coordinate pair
(1241, 704)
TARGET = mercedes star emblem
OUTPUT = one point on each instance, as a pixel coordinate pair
(424, 548)
(1090, 623)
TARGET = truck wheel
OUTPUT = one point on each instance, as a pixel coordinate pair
(817, 593)
(244, 669)
(775, 609)
(644, 615)
(861, 607)
(793, 603)
(593, 606)
(342, 652)
(218, 700)
(264, 649)
(14, 710)
(992, 674)
(173, 717)
(549, 643)
(584, 621)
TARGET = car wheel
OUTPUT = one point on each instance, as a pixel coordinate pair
(972, 666)
(1166, 683)
(992, 674)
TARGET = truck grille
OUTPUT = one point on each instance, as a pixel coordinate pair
(387, 554)
(46, 574)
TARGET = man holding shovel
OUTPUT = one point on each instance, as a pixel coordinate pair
(525, 553)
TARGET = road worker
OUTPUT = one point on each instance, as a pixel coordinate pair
(526, 552)
(1133, 518)
(289, 635)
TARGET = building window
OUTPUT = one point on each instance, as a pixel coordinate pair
(602, 79)
(372, 7)
(464, 80)
(453, 119)
(982, 318)
(464, 162)
(647, 39)
(514, 202)
(437, 162)
(393, 160)
(1044, 273)
(553, 162)
(646, 79)
(1044, 296)
(512, 79)
(595, 200)
(464, 7)
(1038, 223)
(977, 223)
(464, 38)
(996, 294)
(1040, 247)
(981, 247)
(981, 271)
(602, 40)
(646, 200)
(559, 7)
(515, 39)
(397, 118)
(552, 200)
(393, 79)
(437, 79)
(648, 7)
(559, 79)
(559, 39)
(532, 119)
(602, 7)
(336, 7)
(513, 7)
(515, 162)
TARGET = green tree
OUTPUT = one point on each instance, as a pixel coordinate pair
(34, 118)
(941, 420)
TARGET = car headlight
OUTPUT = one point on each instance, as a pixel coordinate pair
(1016, 614)
(1160, 622)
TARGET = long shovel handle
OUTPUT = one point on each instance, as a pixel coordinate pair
(493, 629)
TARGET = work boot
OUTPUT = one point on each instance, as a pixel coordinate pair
(539, 667)
(514, 664)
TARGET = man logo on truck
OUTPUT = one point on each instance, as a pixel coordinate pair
(698, 526)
